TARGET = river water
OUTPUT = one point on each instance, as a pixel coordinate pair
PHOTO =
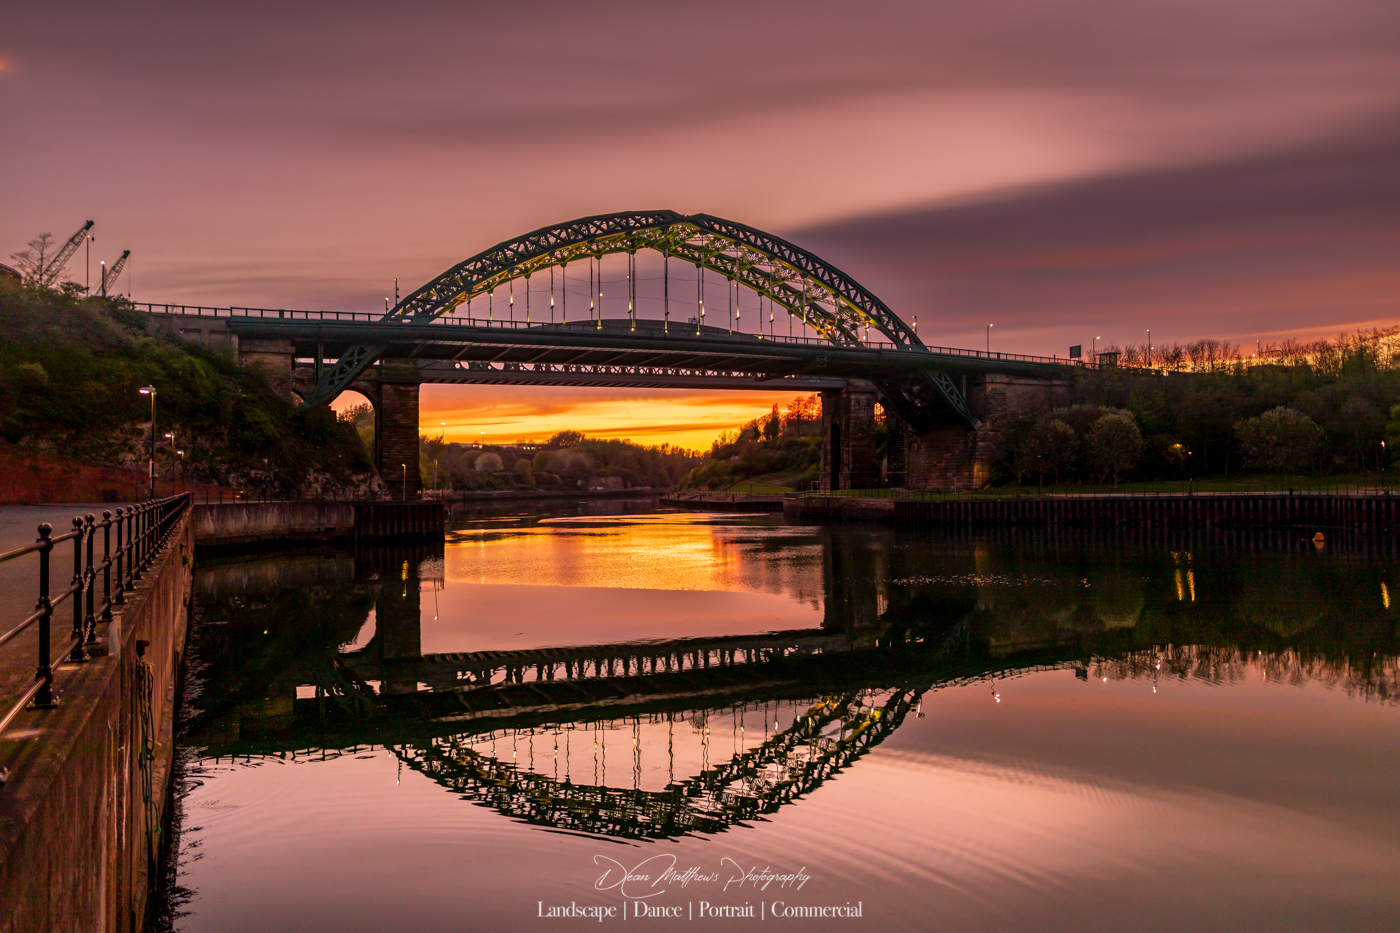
(600, 712)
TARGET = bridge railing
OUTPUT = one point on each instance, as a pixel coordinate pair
(584, 327)
(140, 531)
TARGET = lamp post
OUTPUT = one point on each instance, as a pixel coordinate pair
(171, 435)
(989, 339)
(87, 262)
(1149, 347)
(435, 462)
(151, 463)
(403, 491)
(181, 454)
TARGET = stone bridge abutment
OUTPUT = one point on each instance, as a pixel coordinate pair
(952, 457)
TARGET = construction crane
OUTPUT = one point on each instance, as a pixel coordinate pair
(50, 273)
(109, 276)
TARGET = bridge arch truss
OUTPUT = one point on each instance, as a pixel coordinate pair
(832, 303)
(836, 307)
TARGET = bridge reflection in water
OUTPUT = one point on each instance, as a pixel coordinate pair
(693, 735)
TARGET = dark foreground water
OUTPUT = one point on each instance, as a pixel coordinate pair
(709, 722)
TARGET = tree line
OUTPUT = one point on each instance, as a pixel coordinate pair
(568, 460)
(782, 448)
(1208, 409)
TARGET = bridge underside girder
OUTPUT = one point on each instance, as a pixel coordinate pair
(645, 377)
(916, 383)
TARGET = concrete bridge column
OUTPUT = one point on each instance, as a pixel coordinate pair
(848, 438)
(396, 437)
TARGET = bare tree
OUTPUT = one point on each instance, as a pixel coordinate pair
(36, 263)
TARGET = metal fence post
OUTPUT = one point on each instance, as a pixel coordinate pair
(107, 565)
(143, 530)
(44, 698)
(77, 655)
(135, 568)
(121, 555)
(90, 578)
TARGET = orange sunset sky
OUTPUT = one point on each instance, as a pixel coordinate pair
(505, 414)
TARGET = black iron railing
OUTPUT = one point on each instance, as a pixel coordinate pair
(131, 539)
(593, 326)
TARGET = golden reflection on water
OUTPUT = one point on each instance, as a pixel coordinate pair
(667, 552)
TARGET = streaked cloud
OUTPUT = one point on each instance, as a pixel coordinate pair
(1061, 169)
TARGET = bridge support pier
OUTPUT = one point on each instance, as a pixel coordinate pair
(946, 459)
(957, 458)
(848, 438)
(396, 436)
(896, 450)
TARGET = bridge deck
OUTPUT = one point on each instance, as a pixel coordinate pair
(552, 348)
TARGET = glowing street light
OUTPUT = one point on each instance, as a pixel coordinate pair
(151, 462)
(171, 435)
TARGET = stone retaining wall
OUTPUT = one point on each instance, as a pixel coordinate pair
(79, 819)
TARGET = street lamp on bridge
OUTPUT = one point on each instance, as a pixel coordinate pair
(989, 338)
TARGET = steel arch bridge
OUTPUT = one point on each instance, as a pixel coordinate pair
(830, 303)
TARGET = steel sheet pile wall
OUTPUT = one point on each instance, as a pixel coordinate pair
(378, 520)
(1360, 513)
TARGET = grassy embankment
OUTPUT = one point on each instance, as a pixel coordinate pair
(70, 374)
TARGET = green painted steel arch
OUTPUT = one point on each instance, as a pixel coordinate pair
(832, 302)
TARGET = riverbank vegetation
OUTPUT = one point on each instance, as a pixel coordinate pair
(1317, 408)
(567, 461)
(775, 453)
(71, 368)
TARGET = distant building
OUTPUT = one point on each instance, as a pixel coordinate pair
(8, 273)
